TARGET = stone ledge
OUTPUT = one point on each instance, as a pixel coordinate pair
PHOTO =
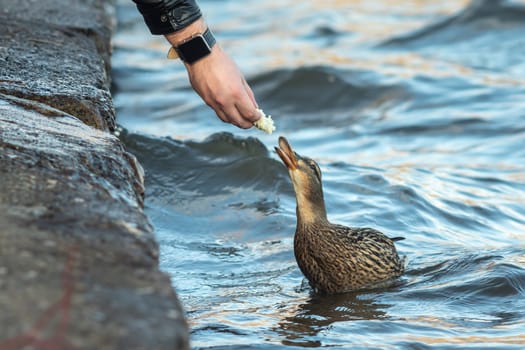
(78, 259)
(58, 52)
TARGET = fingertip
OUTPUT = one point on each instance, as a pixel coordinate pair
(254, 115)
(244, 125)
(221, 115)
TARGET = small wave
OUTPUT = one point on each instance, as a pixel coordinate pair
(467, 278)
(441, 126)
(340, 94)
(479, 18)
(221, 165)
(469, 290)
(225, 146)
(325, 35)
(325, 31)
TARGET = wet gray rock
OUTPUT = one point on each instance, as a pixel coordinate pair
(48, 53)
(78, 259)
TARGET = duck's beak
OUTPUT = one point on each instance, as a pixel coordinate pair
(286, 153)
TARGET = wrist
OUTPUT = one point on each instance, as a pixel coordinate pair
(191, 44)
(197, 27)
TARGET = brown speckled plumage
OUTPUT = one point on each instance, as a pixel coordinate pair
(334, 258)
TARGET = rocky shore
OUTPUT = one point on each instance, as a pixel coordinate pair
(78, 259)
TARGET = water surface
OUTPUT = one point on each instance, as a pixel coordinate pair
(415, 111)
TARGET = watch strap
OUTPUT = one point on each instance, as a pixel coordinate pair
(208, 36)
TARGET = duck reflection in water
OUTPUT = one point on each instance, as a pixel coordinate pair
(303, 322)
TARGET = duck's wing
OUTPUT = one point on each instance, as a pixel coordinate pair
(370, 247)
(357, 234)
(374, 234)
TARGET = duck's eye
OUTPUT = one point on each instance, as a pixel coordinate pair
(316, 169)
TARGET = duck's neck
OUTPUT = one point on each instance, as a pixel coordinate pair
(310, 211)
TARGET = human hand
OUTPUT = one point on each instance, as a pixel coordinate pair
(220, 83)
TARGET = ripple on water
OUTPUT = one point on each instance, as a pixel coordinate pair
(480, 37)
(342, 95)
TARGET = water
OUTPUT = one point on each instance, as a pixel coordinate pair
(414, 111)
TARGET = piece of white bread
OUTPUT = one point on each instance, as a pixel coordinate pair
(265, 123)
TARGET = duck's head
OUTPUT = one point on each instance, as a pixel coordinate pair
(306, 179)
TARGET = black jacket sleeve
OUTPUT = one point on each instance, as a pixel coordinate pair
(168, 16)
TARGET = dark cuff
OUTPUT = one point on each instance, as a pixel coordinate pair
(168, 16)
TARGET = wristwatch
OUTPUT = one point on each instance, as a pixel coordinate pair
(193, 48)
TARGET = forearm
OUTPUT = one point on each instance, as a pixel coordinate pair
(168, 16)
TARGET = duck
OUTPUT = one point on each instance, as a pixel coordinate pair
(335, 258)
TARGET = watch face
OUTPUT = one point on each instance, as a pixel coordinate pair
(194, 49)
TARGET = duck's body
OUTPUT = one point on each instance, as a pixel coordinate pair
(334, 258)
(337, 259)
